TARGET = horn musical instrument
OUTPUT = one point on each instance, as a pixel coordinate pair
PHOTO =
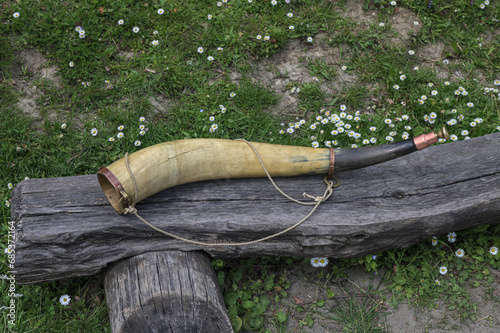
(173, 163)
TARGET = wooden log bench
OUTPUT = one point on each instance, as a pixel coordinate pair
(67, 228)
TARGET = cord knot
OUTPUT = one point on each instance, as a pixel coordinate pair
(129, 210)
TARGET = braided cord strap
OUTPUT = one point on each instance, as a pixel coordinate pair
(317, 201)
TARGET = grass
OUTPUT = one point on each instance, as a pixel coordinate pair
(117, 75)
(358, 313)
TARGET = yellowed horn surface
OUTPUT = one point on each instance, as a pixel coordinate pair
(184, 161)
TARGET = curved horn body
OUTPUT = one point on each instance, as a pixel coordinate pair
(184, 161)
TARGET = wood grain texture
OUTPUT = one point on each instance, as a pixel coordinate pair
(166, 291)
(66, 227)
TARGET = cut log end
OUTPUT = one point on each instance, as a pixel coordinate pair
(167, 291)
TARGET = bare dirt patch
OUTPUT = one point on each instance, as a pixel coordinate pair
(403, 22)
(356, 12)
(161, 104)
(289, 67)
(306, 288)
(31, 69)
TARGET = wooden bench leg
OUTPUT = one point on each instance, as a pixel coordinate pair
(165, 291)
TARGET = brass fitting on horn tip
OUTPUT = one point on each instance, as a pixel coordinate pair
(443, 133)
(423, 141)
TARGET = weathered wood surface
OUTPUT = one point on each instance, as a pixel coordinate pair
(166, 291)
(67, 228)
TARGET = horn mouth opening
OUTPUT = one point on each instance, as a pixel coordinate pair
(111, 187)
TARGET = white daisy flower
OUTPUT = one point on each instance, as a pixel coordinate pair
(64, 299)
(452, 237)
(200, 49)
(493, 250)
(161, 11)
(135, 29)
(319, 262)
(137, 143)
(120, 135)
(16, 15)
(93, 131)
(459, 253)
(120, 22)
(443, 270)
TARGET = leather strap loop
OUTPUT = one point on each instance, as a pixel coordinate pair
(332, 164)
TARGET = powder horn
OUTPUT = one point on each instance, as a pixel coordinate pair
(168, 164)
